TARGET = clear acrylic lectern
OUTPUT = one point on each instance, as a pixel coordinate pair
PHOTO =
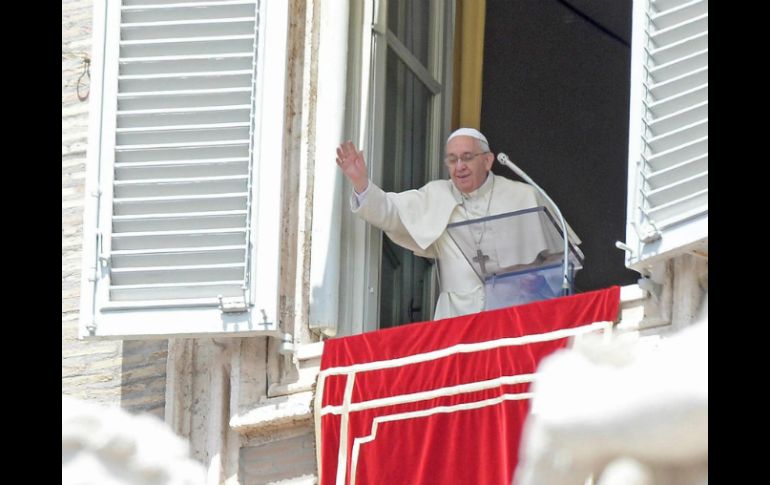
(517, 255)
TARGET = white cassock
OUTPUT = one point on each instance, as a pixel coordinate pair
(417, 220)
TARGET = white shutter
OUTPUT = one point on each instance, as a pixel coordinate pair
(668, 143)
(178, 157)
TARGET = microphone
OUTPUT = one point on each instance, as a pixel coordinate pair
(565, 286)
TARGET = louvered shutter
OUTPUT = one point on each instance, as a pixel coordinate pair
(668, 144)
(178, 201)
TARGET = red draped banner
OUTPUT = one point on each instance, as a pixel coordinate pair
(441, 402)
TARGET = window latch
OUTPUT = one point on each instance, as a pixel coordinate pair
(232, 304)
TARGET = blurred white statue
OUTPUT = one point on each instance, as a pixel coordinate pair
(108, 446)
(625, 413)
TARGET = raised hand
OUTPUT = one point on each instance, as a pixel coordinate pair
(351, 161)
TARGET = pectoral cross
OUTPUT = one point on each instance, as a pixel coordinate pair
(482, 259)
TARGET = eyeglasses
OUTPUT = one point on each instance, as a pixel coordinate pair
(465, 157)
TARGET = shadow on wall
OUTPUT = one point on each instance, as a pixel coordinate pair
(143, 376)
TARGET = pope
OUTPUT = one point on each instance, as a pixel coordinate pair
(417, 219)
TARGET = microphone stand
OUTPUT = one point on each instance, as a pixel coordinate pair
(565, 286)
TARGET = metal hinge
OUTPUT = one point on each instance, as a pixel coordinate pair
(624, 247)
(103, 257)
(99, 256)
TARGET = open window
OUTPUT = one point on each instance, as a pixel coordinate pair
(401, 107)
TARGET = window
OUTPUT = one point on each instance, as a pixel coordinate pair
(181, 229)
(400, 102)
(668, 149)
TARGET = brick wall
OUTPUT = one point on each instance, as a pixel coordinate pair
(111, 372)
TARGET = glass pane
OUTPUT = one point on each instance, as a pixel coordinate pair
(405, 166)
(409, 20)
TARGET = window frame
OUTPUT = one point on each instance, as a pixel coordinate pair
(647, 244)
(179, 319)
(362, 244)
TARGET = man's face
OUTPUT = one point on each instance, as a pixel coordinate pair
(467, 175)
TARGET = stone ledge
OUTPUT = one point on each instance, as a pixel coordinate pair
(275, 413)
(631, 308)
(300, 480)
(631, 295)
(308, 351)
(308, 358)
